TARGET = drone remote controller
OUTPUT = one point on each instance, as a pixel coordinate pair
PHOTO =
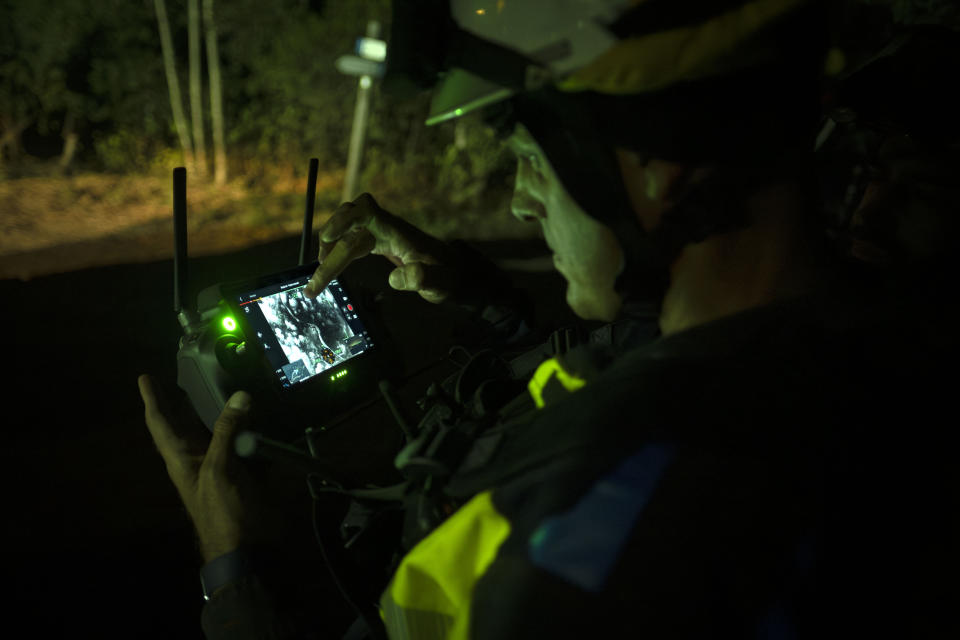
(301, 358)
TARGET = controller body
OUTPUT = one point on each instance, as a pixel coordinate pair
(302, 359)
(262, 335)
(215, 359)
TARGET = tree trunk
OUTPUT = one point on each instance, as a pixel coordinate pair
(196, 91)
(69, 134)
(460, 135)
(216, 100)
(173, 84)
(413, 138)
(10, 131)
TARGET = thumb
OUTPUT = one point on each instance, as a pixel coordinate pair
(232, 419)
(434, 282)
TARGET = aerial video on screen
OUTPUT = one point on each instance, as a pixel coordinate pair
(313, 334)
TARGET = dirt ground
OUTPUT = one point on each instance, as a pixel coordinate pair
(55, 225)
(60, 224)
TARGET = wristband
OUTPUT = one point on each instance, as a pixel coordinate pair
(223, 569)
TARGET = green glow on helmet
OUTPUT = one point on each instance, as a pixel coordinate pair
(229, 323)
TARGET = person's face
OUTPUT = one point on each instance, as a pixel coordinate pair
(585, 251)
(904, 210)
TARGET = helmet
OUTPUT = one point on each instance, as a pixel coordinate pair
(700, 82)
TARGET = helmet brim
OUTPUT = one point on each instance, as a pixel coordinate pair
(461, 92)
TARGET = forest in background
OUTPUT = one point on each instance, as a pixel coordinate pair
(84, 93)
(88, 136)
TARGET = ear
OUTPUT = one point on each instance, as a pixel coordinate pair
(666, 181)
(658, 179)
(652, 184)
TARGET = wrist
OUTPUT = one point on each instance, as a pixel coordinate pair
(224, 569)
(209, 553)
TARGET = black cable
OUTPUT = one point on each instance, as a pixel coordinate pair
(346, 416)
(387, 391)
(456, 348)
(393, 493)
(376, 628)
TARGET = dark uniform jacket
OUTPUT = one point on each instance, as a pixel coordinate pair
(777, 473)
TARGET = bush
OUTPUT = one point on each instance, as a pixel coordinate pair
(124, 151)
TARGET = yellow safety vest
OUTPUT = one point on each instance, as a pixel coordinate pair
(430, 594)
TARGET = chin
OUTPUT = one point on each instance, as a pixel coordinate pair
(603, 309)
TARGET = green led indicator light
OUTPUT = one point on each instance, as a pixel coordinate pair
(229, 323)
(338, 375)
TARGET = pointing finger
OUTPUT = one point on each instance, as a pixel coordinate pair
(349, 248)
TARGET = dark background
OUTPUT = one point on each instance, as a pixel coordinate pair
(96, 541)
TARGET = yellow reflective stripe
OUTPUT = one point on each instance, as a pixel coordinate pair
(411, 624)
(549, 369)
(431, 591)
(659, 60)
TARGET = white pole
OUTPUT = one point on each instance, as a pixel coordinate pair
(359, 128)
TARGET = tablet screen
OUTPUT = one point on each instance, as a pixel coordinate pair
(303, 338)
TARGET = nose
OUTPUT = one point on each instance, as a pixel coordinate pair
(526, 208)
(525, 205)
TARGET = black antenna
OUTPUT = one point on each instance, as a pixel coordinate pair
(179, 237)
(308, 215)
(185, 315)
